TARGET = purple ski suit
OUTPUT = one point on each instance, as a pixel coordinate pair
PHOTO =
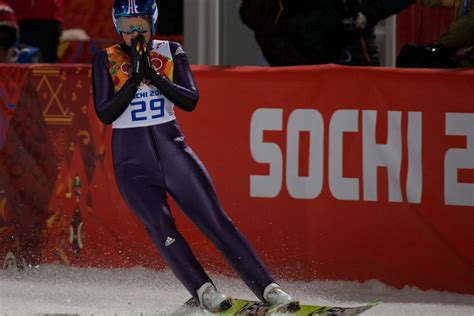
(152, 162)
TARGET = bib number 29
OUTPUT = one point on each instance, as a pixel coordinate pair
(140, 111)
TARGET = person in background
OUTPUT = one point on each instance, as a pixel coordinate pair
(458, 40)
(9, 33)
(360, 19)
(136, 84)
(40, 25)
(310, 32)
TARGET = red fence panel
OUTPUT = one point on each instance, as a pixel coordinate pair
(331, 172)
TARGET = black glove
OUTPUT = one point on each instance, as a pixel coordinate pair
(150, 72)
(137, 71)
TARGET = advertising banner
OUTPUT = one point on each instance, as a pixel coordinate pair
(340, 173)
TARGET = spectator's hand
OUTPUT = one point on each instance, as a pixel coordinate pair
(150, 72)
(353, 18)
(356, 23)
(136, 53)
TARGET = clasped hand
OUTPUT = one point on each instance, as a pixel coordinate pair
(142, 67)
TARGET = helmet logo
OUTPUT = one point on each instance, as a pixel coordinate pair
(132, 7)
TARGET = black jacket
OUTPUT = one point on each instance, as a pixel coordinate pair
(310, 31)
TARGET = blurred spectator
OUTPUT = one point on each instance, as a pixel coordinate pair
(458, 40)
(318, 31)
(10, 49)
(8, 33)
(40, 25)
(361, 18)
(455, 47)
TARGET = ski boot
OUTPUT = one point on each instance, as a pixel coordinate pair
(211, 299)
(279, 300)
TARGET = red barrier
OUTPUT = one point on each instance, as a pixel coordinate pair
(331, 172)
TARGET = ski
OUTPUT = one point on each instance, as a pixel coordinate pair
(255, 308)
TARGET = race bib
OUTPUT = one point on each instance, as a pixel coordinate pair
(149, 107)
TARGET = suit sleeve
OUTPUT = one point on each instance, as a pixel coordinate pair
(182, 91)
(108, 104)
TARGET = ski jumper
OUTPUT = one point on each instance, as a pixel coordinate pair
(152, 161)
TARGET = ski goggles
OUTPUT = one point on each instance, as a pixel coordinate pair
(128, 25)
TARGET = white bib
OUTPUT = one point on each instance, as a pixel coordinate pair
(149, 106)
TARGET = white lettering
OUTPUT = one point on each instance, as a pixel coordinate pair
(415, 165)
(382, 155)
(456, 193)
(305, 187)
(341, 188)
(374, 155)
(266, 185)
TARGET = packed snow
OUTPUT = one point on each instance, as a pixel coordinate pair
(48, 290)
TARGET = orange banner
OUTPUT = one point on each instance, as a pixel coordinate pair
(331, 172)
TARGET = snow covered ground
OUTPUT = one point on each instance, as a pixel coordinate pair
(138, 291)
